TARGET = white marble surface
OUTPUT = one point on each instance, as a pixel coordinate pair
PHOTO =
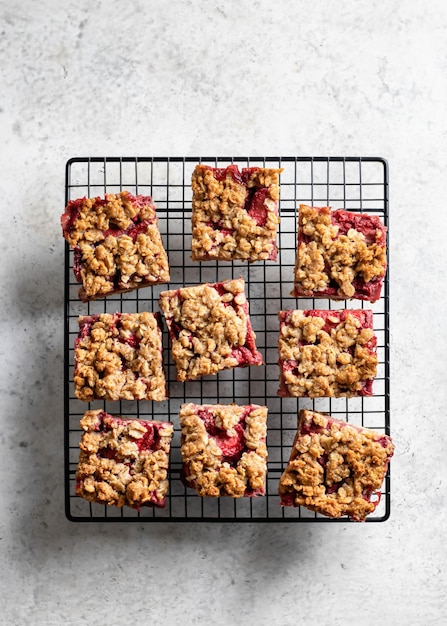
(222, 77)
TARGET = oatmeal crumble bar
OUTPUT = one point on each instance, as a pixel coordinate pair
(123, 461)
(210, 328)
(335, 468)
(223, 449)
(234, 213)
(327, 353)
(117, 244)
(340, 254)
(119, 357)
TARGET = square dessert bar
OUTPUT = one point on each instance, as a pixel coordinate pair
(210, 328)
(119, 357)
(335, 468)
(340, 255)
(327, 353)
(223, 449)
(117, 244)
(123, 461)
(234, 213)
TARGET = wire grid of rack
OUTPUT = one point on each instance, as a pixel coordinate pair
(354, 183)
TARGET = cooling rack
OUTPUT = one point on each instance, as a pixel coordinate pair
(358, 184)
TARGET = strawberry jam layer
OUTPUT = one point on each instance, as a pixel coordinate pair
(232, 446)
(241, 177)
(149, 442)
(369, 225)
(175, 329)
(245, 356)
(70, 215)
(256, 206)
(208, 419)
(221, 173)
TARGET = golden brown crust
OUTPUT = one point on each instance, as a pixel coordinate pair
(114, 466)
(119, 357)
(205, 467)
(334, 467)
(325, 256)
(319, 361)
(222, 228)
(212, 326)
(111, 257)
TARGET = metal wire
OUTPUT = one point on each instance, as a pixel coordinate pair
(354, 183)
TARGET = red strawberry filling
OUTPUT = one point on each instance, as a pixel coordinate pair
(139, 226)
(70, 216)
(369, 494)
(245, 356)
(333, 488)
(132, 340)
(175, 329)
(208, 419)
(384, 441)
(220, 173)
(149, 441)
(369, 225)
(232, 446)
(257, 208)
(219, 288)
(287, 499)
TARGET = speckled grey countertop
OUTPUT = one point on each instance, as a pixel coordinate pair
(190, 78)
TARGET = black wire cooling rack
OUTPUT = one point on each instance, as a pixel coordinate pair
(353, 183)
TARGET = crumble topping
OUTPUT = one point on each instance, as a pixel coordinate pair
(119, 357)
(223, 449)
(210, 328)
(335, 468)
(117, 244)
(340, 254)
(123, 461)
(234, 214)
(326, 353)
